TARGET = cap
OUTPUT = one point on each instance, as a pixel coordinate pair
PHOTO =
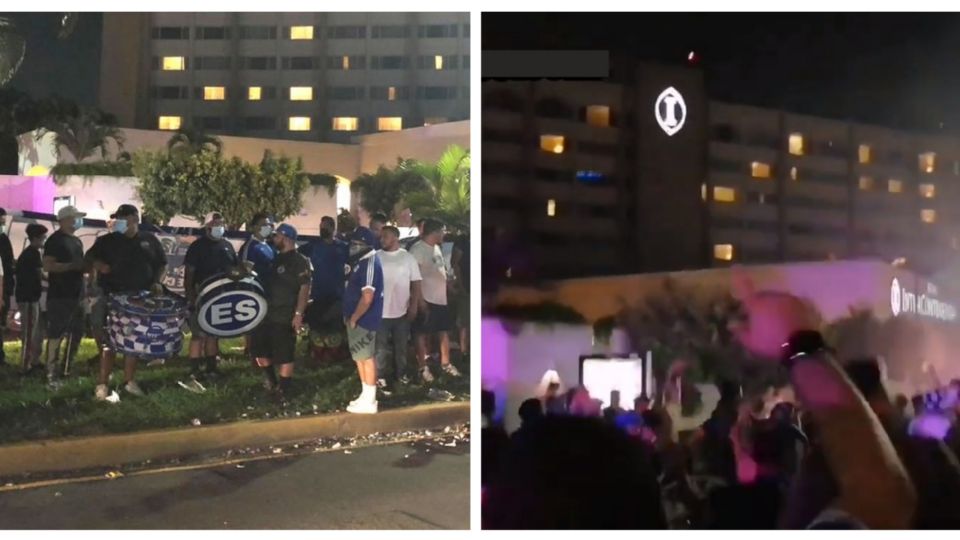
(126, 210)
(287, 230)
(69, 212)
(211, 217)
(363, 235)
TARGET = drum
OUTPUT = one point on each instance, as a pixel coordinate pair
(231, 305)
(146, 325)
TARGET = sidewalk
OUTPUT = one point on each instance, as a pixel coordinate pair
(110, 450)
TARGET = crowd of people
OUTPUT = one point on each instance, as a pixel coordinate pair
(840, 453)
(360, 294)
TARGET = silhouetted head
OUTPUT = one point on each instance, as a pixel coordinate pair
(574, 473)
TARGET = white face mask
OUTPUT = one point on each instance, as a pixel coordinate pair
(265, 231)
(217, 232)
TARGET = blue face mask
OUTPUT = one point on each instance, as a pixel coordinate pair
(77, 222)
(216, 232)
(120, 226)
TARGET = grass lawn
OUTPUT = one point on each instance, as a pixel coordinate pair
(29, 410)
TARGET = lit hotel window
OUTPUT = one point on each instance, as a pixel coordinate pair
(928, 216)
(927, 191)
(793, 173)
(298, 123)
(301, 32)
(894, 186)
(724, 194)
(390, 123)
(346, 63)
(598, 115)
(433, 120)
(253, 93)
(301, 93)
(169, 122)
(345, 123)
(864, 153)
(392, 93)
(723, 252)
(927, 161)
(866, 183)
(552, 143)
(759, 170)
(213, 93)
(796, 144)
(174, 63)
(438, 62)
(551, 207)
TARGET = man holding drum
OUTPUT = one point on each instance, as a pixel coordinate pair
(127, 261)
(288, 289)
(208, 256)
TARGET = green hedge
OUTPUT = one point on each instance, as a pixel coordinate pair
(96, 168)
(543, 312)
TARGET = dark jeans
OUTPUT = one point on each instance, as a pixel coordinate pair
(3, 323)
(387, 352)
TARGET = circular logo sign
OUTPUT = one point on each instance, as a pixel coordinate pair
(895, 297)
(232, 313)
(670, 111)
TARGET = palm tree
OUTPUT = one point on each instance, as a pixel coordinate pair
(83, 131)
(449, 180)
(192, 141)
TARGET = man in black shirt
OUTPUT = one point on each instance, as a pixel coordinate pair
(7, 272)
(63, 262)
(208, 256)
(288, 289)
(127, 261)
(29, 276)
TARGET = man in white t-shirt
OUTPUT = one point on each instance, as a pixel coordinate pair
(433, 319)
(401, 298)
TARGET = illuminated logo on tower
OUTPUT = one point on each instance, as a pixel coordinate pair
(670, 110)
(895, 297)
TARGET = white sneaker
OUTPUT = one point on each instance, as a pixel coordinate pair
(363, 407)
(451, 370)
(134, 389)
(101, 392)
(426, 375)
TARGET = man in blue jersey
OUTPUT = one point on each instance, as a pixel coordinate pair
(256, 249)
(329, 259)
(362, 314)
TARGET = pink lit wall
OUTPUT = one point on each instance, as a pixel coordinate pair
(514, 361)
(32, 193)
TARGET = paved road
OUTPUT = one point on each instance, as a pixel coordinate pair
(371, 488)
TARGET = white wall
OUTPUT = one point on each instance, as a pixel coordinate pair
(99, 196)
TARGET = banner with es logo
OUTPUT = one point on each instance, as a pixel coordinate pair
(230, 308)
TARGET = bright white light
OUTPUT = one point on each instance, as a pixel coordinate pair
(602, 376)
(343, 194)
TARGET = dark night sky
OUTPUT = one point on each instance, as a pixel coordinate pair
(69, 67)
(898, 70)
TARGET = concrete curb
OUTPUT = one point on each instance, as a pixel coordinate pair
(109, 450)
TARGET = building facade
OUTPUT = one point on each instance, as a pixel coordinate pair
(642, 172)
(302, 76)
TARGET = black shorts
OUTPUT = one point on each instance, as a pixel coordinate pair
(274, 341)
(436, 320)
(64, 315)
